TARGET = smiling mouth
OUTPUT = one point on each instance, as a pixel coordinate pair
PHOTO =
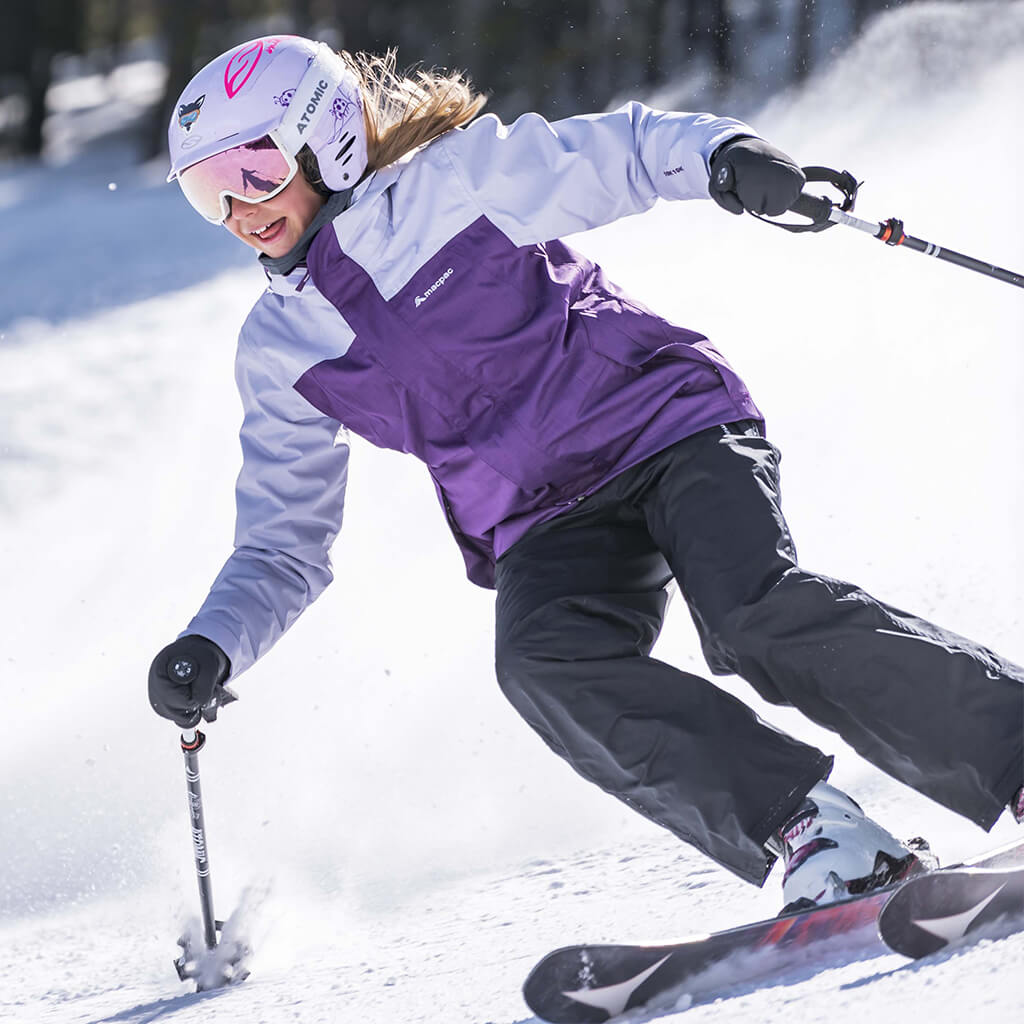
(268, 232)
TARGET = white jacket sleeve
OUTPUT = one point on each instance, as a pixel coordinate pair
(289, 496)
(538, 180)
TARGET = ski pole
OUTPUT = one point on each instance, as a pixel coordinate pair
(208, 972)
(824, 213)
(192, 741)
(223, 962)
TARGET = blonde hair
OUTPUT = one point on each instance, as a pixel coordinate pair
(405, 110)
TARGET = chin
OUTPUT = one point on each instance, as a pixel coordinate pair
(284, 245)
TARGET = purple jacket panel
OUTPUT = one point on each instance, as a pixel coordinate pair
(521, 376)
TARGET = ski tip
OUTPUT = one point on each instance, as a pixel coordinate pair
(942, 910)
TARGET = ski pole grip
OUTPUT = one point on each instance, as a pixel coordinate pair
(816, 208)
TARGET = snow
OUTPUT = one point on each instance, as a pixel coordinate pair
(401, 846)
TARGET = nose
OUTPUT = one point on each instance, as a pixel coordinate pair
(243, 212)
(239, 208)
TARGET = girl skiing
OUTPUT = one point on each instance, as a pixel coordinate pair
(585, 452)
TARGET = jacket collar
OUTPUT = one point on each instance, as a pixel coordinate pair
(337, 202)
(287, 275)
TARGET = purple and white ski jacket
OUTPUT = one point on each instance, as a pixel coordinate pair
(440, 315)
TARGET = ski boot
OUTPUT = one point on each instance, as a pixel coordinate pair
(832, 851)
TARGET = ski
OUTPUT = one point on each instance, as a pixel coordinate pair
(590, 984)
(927, 914)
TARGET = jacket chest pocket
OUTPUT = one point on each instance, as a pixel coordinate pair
(402, 414)
(361, 395)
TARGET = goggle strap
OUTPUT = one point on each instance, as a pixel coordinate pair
(312, 100)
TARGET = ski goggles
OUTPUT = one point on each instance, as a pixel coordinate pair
(254, 171)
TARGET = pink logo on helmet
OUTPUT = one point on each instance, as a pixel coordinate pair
(241, 66)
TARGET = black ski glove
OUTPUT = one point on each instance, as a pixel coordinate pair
(187, 676)
(750, 174)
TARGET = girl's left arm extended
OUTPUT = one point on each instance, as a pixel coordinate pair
(537, 180)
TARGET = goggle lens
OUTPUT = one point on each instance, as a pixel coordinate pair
(253, 171)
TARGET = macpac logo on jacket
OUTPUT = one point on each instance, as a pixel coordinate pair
(420, 299)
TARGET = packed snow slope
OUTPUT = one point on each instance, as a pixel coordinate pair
(402, 846)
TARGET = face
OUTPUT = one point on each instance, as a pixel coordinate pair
(275, 225)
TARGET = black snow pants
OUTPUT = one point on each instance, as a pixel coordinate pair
(580, 602)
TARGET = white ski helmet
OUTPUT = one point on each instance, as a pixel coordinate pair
(299, 92)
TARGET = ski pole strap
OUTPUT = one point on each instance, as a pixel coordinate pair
(817, 209)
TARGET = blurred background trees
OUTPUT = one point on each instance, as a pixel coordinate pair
(555, 56)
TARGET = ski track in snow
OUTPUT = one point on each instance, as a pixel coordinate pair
(419, 848)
